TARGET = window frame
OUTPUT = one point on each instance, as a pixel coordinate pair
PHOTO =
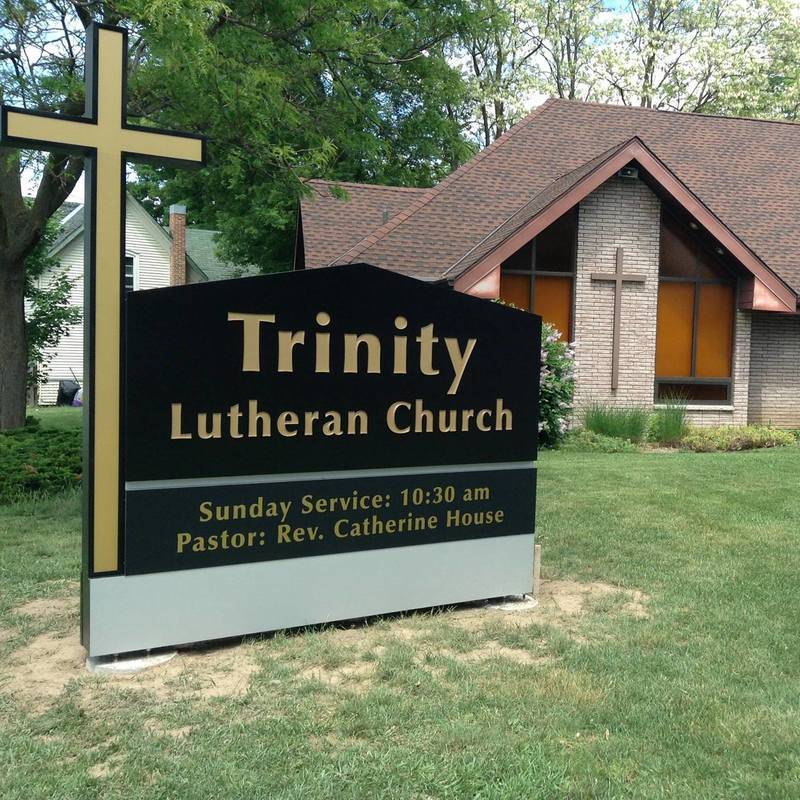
(533, 272)
(697, 282)
(135, 272)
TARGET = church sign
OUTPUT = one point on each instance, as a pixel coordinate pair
(312, 446)
(291, 449)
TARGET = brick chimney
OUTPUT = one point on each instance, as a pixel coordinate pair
(177, 253)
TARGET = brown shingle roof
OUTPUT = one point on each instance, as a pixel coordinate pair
(332, 225)
(525, 213)
(745, 171)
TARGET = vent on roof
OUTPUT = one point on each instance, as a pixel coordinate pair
(628, 172)
(385, 215)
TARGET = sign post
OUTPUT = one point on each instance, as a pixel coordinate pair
(290, 449)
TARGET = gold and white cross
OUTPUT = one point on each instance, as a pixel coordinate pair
(103, 135)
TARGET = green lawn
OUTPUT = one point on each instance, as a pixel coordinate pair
(681, 681)
(57, 417)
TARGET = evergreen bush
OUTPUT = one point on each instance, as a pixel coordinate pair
(35, 460)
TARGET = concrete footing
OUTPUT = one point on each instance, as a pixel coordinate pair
(122, 665)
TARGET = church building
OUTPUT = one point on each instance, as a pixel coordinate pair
(665, 245)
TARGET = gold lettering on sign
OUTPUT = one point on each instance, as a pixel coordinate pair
(176, 432)
(351, 345)
(354, 345)
(256, 417)
(286, 342)
(400, 347)
(404, 417)
(234, 415)
(458, 360)
(285, 420)
(323, 356)
(426, 341)
(251, 348)
(391, 417)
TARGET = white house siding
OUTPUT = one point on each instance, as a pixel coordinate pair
(150, 249)
(68, 357)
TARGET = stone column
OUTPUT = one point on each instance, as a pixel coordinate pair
(624, 213)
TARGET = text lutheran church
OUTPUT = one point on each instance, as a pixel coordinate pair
(665, 245)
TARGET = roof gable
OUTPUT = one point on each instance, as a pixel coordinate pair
(564, 193)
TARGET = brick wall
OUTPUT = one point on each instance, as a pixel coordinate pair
(177, 252)
(775, 370)
(625, 213)
(621, 213)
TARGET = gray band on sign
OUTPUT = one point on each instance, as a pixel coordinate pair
(163, 609)
(287, 477)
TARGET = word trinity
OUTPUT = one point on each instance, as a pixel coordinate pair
(354, 348)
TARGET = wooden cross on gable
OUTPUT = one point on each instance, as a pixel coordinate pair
(617, 277)
(107, 141)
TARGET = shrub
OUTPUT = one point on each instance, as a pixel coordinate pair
(556, 387)
(618, 423)
(34, 460)
(668, 423)
(729, 437)
(583, 441)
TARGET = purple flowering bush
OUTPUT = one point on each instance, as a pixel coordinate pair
(556, 387)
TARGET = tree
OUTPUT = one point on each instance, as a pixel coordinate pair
(358, 88)
(39, 68)
(496, 48)
(50, 312)
(515, 52)
(355, 90)
(571, 33)
(713, 56)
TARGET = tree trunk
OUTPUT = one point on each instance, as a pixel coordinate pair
(13, 349)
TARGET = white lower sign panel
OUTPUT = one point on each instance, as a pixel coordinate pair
(170, 608)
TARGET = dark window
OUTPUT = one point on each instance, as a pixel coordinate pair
(540, 276)
(696, 306)
(129, 277)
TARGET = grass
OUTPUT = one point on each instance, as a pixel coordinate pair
(619, 423)
(697, 700)
(57, 417)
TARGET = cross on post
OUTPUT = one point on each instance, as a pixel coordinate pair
(617, 278)
(107, 141)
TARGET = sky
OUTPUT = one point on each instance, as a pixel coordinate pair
(30, 183)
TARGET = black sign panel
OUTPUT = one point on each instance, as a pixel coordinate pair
(331, 369)
(191, 527)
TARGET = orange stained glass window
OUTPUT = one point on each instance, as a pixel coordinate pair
(714, 331)
(516, 289)
(674, 329)
(552, 300)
